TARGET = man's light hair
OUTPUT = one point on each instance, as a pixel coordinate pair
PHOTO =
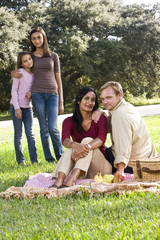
(115, 85)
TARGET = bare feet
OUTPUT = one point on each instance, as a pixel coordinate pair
(73, 177)
(59, 181)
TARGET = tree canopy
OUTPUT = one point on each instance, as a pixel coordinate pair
(97, 41)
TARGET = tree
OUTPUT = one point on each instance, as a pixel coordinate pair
(79, 31)
(139, 30)
(97, 41)
(11, 31)
(17, 5)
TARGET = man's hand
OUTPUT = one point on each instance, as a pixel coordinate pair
(121, 167)
(97, 114)
(118, 177)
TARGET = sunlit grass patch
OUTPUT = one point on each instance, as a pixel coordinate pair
(119, 217)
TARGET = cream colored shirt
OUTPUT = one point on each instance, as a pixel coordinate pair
(130, 137)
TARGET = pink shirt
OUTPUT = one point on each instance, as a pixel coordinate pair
(19, 89)
(96, 130)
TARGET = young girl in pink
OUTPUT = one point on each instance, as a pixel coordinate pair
(21, 109)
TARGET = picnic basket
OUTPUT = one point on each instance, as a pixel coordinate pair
(146, 169)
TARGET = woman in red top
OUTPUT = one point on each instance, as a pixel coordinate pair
(84, 142)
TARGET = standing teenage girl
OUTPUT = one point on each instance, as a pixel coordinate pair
(47, 93)
(21, 110)
(47, 96)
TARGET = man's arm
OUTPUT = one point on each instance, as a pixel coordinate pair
(122, 141)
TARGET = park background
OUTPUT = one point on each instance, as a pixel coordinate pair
(97, 41)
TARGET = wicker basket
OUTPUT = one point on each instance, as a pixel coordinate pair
(146, 169)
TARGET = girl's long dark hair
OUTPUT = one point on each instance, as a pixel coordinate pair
(77, 117)
(19, 58)
(46, 51)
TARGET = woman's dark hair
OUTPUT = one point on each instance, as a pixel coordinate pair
(46, 51)
(19, 58)
(77, 117)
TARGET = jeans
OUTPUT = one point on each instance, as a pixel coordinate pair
(110, 158)
(27, 120)
(46, 106)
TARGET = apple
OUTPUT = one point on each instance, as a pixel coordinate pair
(108, 178)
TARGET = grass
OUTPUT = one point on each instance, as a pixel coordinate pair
(135, 216)
(104, 217)
(141, 100)
(136, 101)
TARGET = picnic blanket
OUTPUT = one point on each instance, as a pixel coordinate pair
(45, 180)
(38, 185)
(88, 188)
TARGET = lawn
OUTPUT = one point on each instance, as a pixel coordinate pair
(135, 216)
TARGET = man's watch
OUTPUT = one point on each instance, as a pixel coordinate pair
(89, 146)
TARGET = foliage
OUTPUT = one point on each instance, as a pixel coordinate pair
(18, 4)
(97, 41)
(136, 101)
(141, 100)
(136, 216)
(11, 33)
(139, 31)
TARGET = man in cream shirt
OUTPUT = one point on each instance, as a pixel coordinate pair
(129, 135)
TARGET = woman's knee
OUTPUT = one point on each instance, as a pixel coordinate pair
(86, 140)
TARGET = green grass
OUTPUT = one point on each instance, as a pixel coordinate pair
(5, 115)
(141, 100)
(104, 217)
(123, 217)
(136, 101)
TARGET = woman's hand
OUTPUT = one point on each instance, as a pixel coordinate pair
(76, 157)
(16, 74)
(80, 151)
(18, 113)
(28, 94)
(61, 108)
